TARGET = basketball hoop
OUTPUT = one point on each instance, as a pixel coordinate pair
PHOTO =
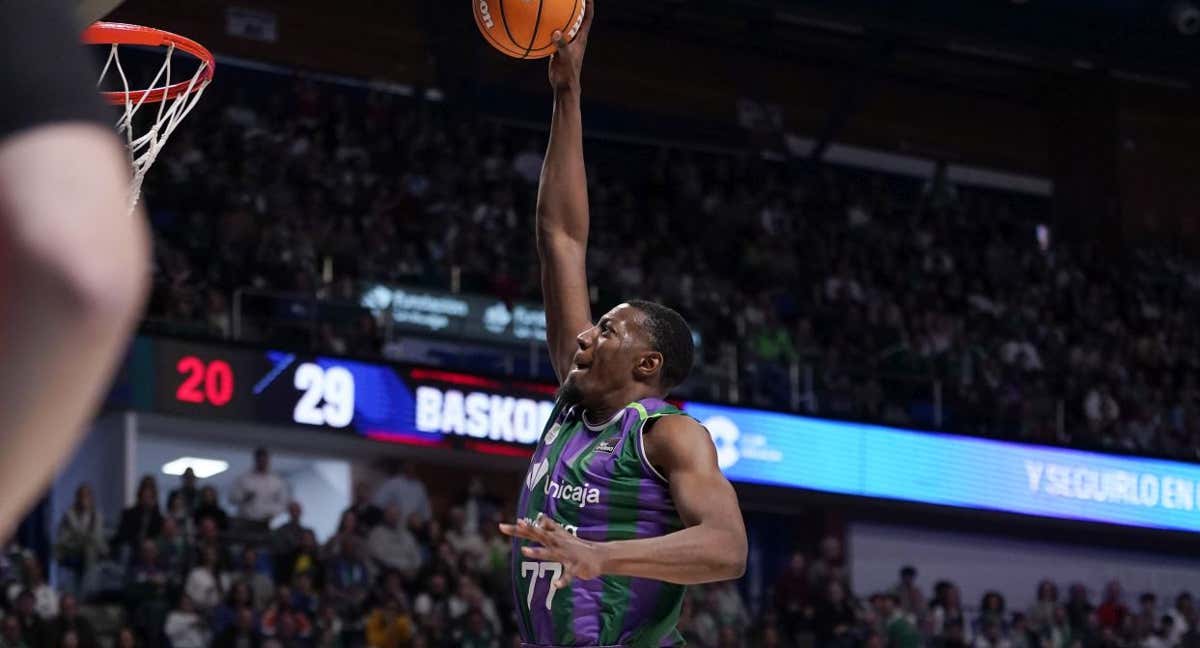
(175, 100)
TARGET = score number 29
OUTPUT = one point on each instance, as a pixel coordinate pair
(328, 397)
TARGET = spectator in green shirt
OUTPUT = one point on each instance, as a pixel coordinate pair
(897, 630)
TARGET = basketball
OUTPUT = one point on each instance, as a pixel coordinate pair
(523, 28)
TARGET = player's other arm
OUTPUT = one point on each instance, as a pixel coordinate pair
(562, 208)
(73, 261)
(711, 548)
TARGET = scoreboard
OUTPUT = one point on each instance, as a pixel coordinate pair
(432, 407)
(376, 400)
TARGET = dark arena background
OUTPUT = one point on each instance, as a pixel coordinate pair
(942, 259)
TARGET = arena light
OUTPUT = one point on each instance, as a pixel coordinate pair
(204, 468)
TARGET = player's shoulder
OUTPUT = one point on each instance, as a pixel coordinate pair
(678, 441)
(674, 427)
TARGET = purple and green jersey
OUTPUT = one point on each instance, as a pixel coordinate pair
(595, 480)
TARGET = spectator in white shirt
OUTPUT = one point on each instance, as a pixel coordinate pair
(260, 494)
(466, 542)
(407, 493)
(205, 585)
(1160, 638)
(185, 627)
(44, 596)
(1183, 614)
(392, 545)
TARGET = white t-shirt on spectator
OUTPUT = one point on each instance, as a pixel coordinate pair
(186, 630)
(982, 642)
(202, 587)
(270, 496)
(468, 543)
(45, 599)
(407, 494)
(1155, 641)
(394, 548)
(1098, 407)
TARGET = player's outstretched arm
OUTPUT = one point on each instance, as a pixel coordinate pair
(73, 261)
(562, 206)
(711, 548)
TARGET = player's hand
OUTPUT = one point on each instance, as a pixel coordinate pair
(579, 558)
(566, 64)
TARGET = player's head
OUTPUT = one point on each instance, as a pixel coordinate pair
(637, 341)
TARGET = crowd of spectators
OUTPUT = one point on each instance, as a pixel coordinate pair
(897, 301)
(398, 573)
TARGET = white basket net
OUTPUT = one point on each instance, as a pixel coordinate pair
(170, 112)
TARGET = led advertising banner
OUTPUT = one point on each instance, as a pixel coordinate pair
(872, 461)
(434, 407)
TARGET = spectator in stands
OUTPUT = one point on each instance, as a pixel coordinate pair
(348, 525)
(912, 600)
(184, 627)
(478, 506)
(434, 599)
(10, 633)
(69, 620)
(731, 609)
(407, 493)
(286, 537)
(80, 542)
(834, 616)
(175, 553)
(476, 633)
(187, 491)
(1147, 617)
(259, 494)
(281, 620)
(349, 579)
(327, 628)
(1112, 611)
(791, 593)
(241, 633)
(392, 545)
(953, 635)
(389, 625)
(366, 514)
(225, 615)
(946, 607)
(305, 559)
(210, 507)
(33, 581)
(146, 594)
(142, 520)
(127, 638)
(177, 510)
(1057, 633)
(1079, 610)
(1161, 635)
(1019, 633)
(206, 584)
(893, 623)
(990, 635)
(991, 611)
(1184, 615)
(33, 628)
(1041, 613)
(467, 543)
(252, 572)
(827, 566)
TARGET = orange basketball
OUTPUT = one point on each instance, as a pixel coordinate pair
(522, 28)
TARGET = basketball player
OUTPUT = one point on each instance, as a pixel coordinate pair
(623, 504)
(73, 261)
